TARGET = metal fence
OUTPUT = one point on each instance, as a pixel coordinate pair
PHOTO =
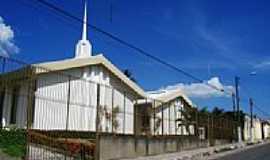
(64, 112)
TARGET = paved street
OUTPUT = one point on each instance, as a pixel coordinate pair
(257, 153)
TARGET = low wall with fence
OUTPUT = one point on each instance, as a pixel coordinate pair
(128, 146)
(60, 145)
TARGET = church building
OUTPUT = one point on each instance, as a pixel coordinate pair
(65, 94)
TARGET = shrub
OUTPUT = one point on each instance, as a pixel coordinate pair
(13, 142)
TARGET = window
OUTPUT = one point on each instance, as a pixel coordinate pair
(14, 105)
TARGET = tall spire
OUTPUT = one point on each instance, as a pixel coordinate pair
(84, 34)
(84, 47)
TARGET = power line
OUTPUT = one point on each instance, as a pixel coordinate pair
(65, 13)
(261, 110)
(258, 108)
(246, 90)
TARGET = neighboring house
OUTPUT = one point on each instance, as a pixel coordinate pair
(247, 128)
(254, 132)
(66, 94)
(266, 129)
(164, 113)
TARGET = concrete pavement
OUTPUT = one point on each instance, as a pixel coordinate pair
(258, 152)
(224, 152)
(196, 154)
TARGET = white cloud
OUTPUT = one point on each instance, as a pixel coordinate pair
(264, 64)
(7, 45)
(202, 90)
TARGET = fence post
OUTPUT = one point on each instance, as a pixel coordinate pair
(181, 116)
(2, 98)
(196, 127)
(169, 118)
(213, 127)
(2, 92)
(209, 129)
(97, 149)
(82, 152)
(154, 117)
(30, 96)
(135, 118)
(162, 117)
(175, 118)
(124, 118)
(68, 103)
(135, 124)
(112, 110)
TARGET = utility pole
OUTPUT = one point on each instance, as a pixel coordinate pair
(238, 109)
(233, 101)
(234, 115)
(251, 119)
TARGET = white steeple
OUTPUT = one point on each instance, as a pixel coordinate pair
(84, 47)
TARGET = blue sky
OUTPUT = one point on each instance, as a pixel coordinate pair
(213, 40)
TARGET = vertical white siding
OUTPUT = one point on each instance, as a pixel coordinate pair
(171, 113)
(119, 102)
(51, 101)
(106, 107)
(129, 117)
(82, 108)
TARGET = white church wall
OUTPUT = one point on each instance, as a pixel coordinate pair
(51, 101)
(106, 106)
(171, 112)
(124, 98)
(83, 102)
(119, 102)
(129, 116)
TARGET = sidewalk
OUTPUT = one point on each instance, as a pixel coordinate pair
(200, 154)
(3, 156)
(237, 150)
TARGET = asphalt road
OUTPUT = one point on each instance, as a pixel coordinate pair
(257, 153)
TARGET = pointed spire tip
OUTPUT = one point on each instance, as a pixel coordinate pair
(84, 35)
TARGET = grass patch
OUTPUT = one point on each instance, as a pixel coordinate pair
(13, 142)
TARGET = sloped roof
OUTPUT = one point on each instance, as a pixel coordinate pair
(168, 95)
(81, 62)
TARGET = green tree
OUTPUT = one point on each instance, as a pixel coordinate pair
(204, 110)
(218, 111)
(129, 74)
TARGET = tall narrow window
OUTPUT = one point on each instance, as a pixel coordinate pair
(14, 105)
